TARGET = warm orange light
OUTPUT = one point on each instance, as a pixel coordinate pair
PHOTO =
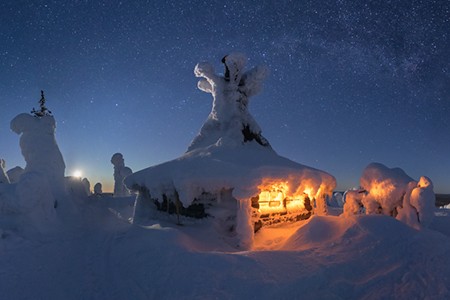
(276, 197)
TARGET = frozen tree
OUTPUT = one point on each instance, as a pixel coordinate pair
(408, 213)
(39, 148)
(230, 121)
(392, 192)
(3, 175)
(386, 188)
(353, 201)
(87, 186)
(98, 189)
(120, 172)
(423, 200)
(43, 111)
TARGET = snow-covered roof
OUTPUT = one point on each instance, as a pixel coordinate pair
(242, 169)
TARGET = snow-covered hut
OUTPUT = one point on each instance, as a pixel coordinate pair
(230, 165)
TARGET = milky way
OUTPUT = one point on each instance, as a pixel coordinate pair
(351, 82)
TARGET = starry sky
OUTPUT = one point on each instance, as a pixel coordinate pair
(351, 82)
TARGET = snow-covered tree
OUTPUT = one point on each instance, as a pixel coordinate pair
(39, 148)
(43, 111)
(87, 186)
(392, 192)
(230, 121)
(120, 172)
(423, 200)
(98, 189)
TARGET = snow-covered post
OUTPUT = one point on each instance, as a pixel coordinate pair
(120, 172)
(230, 121)
(3, 176)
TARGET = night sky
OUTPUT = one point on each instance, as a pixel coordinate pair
(351, 83)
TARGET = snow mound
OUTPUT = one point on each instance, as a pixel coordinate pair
(328, 231)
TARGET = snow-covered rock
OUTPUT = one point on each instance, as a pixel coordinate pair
(230, 154)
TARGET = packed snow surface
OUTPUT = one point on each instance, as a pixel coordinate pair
(97, 254)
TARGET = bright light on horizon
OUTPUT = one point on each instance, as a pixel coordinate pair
(78, 173)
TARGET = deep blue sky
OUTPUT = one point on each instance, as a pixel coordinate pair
(351, 83)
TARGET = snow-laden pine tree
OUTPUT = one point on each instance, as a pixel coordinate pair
(43, 110)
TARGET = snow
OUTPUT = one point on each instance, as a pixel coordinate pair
(385, 187)
(100, 255)
(14, 174)
(59, 242)
(393, 193)
(120, 172)
(39, 148)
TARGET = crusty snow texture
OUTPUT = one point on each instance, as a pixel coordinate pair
(392, 192)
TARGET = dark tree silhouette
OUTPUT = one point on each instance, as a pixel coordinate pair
(43, 111)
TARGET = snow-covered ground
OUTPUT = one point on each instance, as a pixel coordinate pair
(97, 254)
(56, 242)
